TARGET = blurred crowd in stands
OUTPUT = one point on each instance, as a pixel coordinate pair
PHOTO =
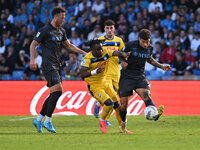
(175, 28)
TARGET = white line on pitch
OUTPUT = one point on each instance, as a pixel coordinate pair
(21, 119)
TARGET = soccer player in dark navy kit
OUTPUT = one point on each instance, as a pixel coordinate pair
(132, 73)
(51, 37)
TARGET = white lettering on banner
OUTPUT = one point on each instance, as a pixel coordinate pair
(81, 103)
(71, 103)
(89, 106)
(36, 99)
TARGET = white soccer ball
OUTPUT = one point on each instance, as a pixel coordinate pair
(150, 112)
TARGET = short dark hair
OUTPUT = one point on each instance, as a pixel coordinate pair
(57, 10)
(109, 22)
(145, 34)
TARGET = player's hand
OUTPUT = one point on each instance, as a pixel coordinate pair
(124, 65)
(99, 70)
(166, 67)
(33, 65)
(126, 55)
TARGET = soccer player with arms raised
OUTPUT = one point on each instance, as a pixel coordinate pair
(93, 71)
(51, 37)
(132, 74)
(115, 43)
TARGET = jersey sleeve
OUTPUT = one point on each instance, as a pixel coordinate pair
(121, 46)
(151, 50)
(40, 35)
(85, 63)
(64, 35)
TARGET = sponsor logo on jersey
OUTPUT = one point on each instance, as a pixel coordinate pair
(141, 55)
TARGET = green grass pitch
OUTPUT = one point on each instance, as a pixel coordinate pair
(82, 133)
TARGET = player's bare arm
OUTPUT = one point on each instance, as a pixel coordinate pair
(33, 65)
(85, 73)
(153, 62)
(72, 47)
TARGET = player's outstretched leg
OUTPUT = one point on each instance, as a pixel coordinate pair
(49, 127)
(160, 112)
(38, 125)
(96, 109)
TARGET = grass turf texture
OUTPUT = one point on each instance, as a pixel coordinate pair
(82, 133)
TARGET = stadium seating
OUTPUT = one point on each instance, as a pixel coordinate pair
(167, 73)
(147, 73)
(155, 75)
(6, 77)
(196, 72)
(33, 77)
(17, 75)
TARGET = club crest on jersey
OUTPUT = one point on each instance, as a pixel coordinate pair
(135, 53)
(99, 95)
(56, 38)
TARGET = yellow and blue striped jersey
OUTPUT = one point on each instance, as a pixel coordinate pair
(115, 44)
(91, 62)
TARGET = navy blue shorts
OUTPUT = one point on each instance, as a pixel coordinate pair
(53, 77)
(127, 85)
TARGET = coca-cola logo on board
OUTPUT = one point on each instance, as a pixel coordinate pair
(77, 102)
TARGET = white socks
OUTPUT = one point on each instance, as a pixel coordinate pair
(48, 119)
(40, 117)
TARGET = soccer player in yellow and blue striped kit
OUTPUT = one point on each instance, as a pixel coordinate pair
(93, 71)
(115, 43)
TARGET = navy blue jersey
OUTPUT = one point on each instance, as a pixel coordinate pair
(50, 40)
(137, 59)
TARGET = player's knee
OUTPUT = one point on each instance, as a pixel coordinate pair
(116, 105)
(123, 105)
(109, 102)
(57, 87)
(122, 108)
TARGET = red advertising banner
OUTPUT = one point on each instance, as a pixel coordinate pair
(26, 98)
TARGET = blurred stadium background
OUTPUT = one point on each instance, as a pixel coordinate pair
(175, 27)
